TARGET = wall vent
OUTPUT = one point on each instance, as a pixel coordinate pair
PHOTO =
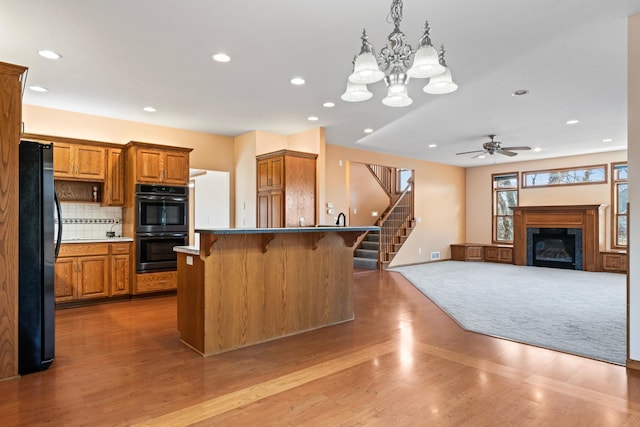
(435, 255)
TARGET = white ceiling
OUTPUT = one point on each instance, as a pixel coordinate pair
(119, 56)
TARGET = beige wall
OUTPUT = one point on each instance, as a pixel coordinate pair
(245, 172)
(365, 196)
(633, 143)
(479, 193)
(439, 199)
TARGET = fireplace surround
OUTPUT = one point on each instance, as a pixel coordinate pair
(585, 222)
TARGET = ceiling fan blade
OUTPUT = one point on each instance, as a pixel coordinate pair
(481, 154)
(469, 152)
(516, 148)
(507, 152)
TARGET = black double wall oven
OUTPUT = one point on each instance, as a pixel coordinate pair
(162, 223)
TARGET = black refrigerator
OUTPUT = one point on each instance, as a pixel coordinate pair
(37, 250)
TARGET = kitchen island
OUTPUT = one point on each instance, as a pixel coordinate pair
(246, 286)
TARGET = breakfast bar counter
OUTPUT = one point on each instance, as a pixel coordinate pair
(246, 286)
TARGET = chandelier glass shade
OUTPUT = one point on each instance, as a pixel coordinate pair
(396, 64)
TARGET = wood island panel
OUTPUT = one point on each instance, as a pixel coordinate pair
(244, 289)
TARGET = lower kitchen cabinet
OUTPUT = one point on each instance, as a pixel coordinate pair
(92, 270)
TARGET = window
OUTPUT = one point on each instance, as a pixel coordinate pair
(505, 196)
(404, 176)
(570, 176)
(620, 199)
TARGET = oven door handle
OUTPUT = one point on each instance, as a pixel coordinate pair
(161, 235)
(163, 198)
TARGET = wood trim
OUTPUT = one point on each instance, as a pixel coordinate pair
(493, 204)
(51, 138)
(614, 203)
(157, 146)
(287, 153)
(528, 187)
(589, 218)
(10, 127)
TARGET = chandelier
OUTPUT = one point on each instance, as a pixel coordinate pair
(396, 64)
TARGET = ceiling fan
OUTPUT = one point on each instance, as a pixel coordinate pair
(492, 147)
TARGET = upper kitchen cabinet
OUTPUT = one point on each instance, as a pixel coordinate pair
(114, 188)
(286, 182)
(158, 164)
(78, 162)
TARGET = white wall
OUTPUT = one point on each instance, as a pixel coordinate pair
(211, 201)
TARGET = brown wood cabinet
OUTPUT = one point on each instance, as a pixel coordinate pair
(160, 165)
(467, 252)
(113, 191)
(614, 262)
(286, 183)
(78, 161)
(498, 254)
(155, 282)
(82, 271)
(92, 270)
(11, 83)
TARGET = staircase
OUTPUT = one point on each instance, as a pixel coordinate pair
(377, 250)
(366, 254)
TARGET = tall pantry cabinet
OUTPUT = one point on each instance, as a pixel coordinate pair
(286, 183)
(11, 80)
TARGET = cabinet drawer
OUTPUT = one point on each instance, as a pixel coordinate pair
(154, 282)
(83, 249)
(120, 248)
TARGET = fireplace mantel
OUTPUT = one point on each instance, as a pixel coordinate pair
(589, 218)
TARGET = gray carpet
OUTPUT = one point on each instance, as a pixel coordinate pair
(577, 312)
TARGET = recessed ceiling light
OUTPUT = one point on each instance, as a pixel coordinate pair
(221, 57)
(482, 157)
(607, 140)
(520, 92)
(573, 122)
(49, 54)
(368, 130)
(298, 81)
(329, 104)
(149, 109)
(38, 89)
(432, 145)
(312, 118)
(537, 149)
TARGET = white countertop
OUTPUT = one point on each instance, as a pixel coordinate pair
(105, 240)
(191, 250)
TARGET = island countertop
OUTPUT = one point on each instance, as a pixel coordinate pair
(244, 286)
(314, 229)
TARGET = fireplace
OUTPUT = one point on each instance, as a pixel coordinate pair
(554, 247)
(584, 222)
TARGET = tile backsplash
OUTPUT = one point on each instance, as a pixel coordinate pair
(89, 221)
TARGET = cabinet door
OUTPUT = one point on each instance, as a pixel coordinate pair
(65, 279)
(120, 274)
(93, 277)
(90, 162)
(263, 174)
(276, 175)
(176, 168)
(263, 210)
(114, 181)
(62, 160)
(149, 165)
(276, 211)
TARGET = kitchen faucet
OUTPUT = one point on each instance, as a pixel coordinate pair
(344, 219)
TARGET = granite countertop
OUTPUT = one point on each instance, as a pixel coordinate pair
(190, 250)
(105, 240)
(315, 229)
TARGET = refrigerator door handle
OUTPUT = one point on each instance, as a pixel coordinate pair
(59, 211)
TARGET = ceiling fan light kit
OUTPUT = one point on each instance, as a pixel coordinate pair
(491, 147)
(397, 63)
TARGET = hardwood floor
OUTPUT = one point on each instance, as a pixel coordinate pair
(401, 362)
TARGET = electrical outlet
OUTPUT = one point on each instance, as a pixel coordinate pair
(419, 250)
(355, 211)
(374, 213)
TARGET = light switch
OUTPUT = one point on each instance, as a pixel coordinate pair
(189, 260)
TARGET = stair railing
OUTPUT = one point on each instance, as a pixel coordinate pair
(397, 218)
(386, 177)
